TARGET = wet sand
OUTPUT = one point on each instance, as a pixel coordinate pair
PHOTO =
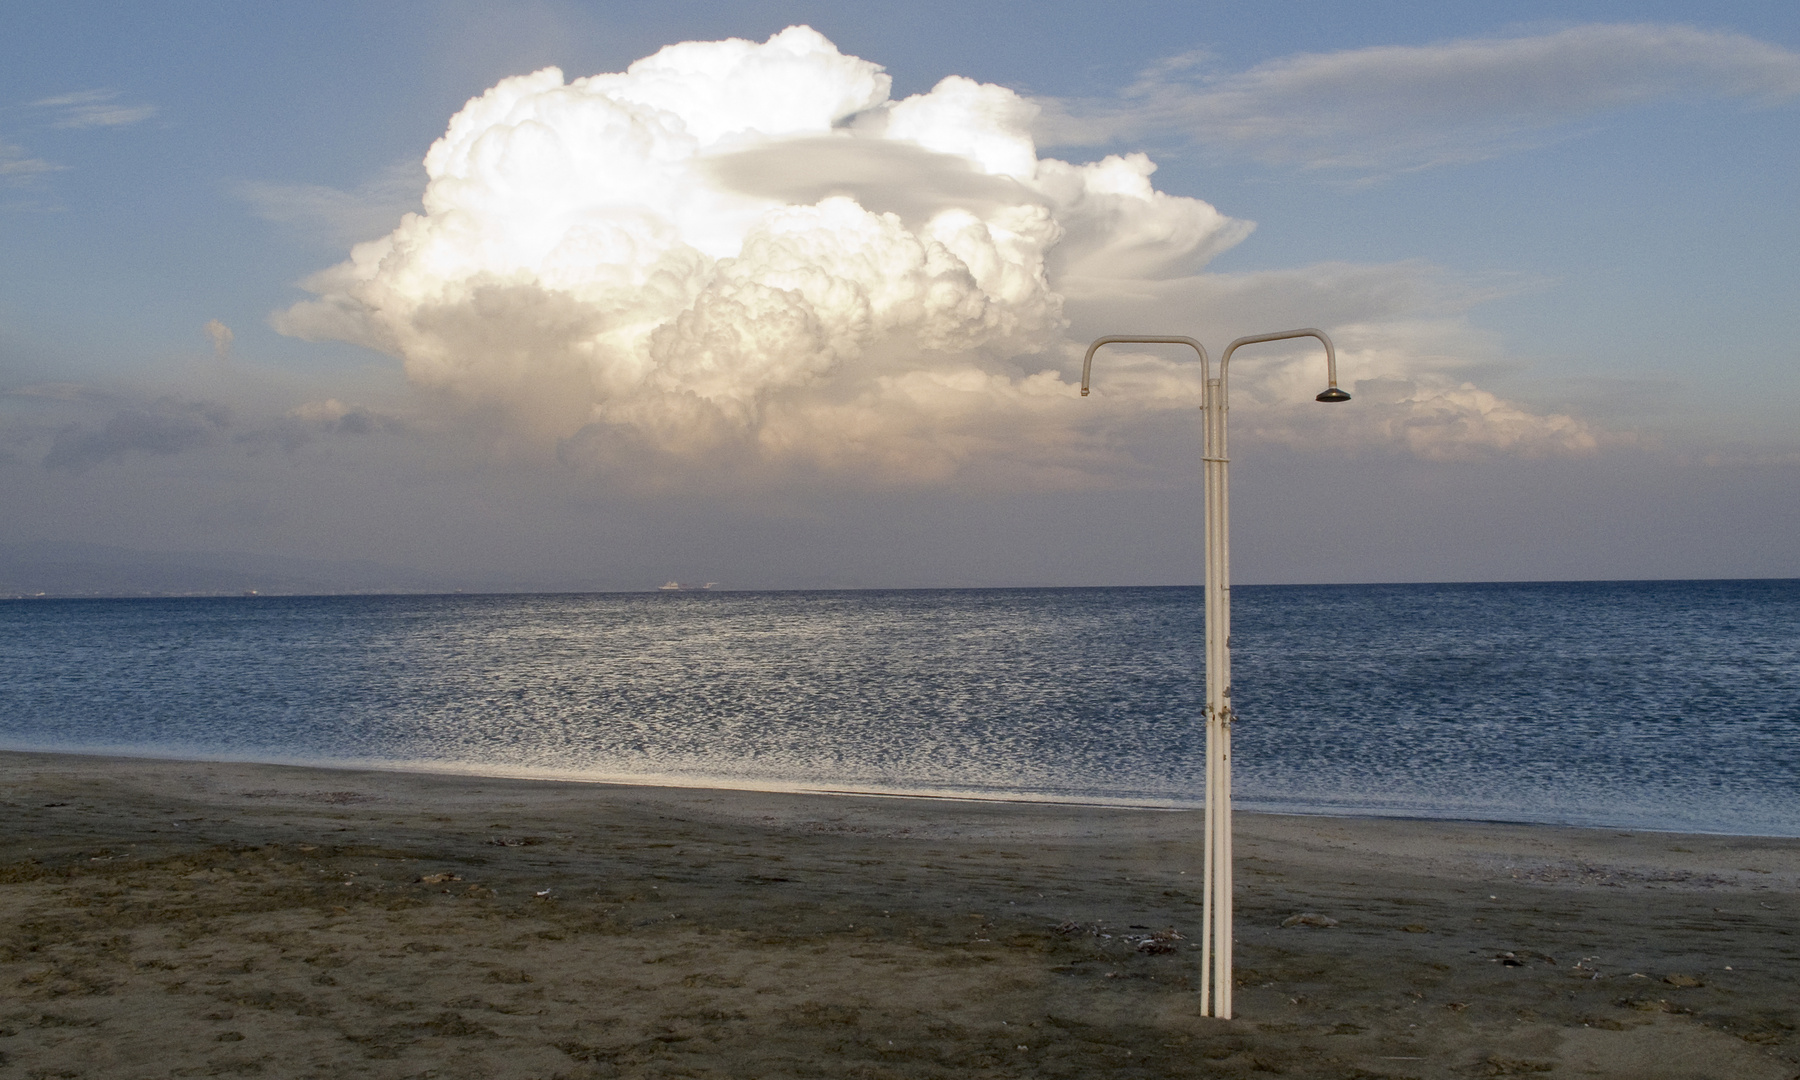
(163, 919)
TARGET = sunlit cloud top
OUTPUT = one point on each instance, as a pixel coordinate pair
(742, 251)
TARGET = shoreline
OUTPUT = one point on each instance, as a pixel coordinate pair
(163, 917)
(1243, 805)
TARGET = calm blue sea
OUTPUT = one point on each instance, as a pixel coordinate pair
(1668, 705)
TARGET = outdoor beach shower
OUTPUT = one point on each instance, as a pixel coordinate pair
(1215, 934)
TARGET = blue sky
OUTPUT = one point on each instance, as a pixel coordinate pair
(1460, 185)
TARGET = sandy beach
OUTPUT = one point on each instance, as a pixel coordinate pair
(163, 919)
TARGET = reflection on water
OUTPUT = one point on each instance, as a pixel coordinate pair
(1671, 705)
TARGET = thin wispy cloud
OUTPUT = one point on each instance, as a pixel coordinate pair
(91, 109)
(19, 169)
(333, 216)
(1397, 108)
(22, 169)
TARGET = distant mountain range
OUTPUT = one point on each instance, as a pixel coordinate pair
(64, 569)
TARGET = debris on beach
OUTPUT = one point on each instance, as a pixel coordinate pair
(1162, 941)
(1154, 943)
(1645, 1003)
(438, 879)
(1310, 918)
(1682, 980)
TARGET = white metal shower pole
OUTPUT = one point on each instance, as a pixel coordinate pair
(1216, 913)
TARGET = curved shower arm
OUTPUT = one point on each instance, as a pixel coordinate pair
(1087, 362)
(1330, 356)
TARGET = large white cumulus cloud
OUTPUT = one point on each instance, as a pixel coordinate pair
(751, 249)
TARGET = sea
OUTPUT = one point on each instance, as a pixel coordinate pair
(1667, 705)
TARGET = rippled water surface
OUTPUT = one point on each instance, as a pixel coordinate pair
(1654, 705)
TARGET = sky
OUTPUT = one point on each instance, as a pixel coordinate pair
(592, 296)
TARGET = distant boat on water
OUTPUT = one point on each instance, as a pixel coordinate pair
(676, 586)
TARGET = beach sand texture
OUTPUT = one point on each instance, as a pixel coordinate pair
(163, 919)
